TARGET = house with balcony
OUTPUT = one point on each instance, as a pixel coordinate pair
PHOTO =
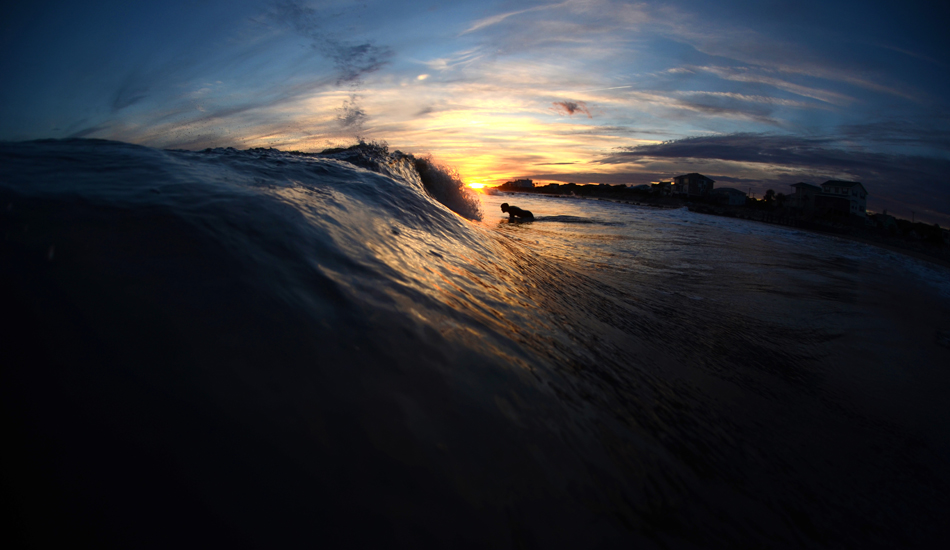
(662, 188)
(692, 185)
(519, 184)
(803, 195)
(844, 196)
(729, 196)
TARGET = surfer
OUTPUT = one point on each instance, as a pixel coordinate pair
(515, 213)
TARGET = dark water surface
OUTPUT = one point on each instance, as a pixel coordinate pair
(267, 350)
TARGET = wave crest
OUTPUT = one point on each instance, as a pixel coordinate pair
(444, 185)
(440, 182)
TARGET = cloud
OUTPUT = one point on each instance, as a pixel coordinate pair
(787, 150)
(578, 25)
(929, 133)
(570, 107)
(775, 54)
(751, 99)
(352, 116)
(456, 60)
(685, 106)
(754, 75)
(352, 60)
(495, 19)
(89, 130)
(355, 61)
(926, 58)
(129, 93)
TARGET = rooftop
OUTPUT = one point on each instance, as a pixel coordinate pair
(695, 174)
(839, 183)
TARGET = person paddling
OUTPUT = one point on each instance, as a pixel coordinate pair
(516, 213)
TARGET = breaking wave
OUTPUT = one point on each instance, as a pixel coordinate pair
(441, 182)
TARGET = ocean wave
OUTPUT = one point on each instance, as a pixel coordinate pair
(289, 347)
(441, 182)
(578, 220)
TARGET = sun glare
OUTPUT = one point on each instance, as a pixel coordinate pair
(476, 185)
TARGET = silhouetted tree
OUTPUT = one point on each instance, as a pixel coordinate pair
(781, 198)
(769, 196)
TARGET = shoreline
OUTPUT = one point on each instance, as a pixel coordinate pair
(590, 198)
(916, 254)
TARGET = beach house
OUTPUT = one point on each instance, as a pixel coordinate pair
(662, 188)
(692, 185)
(843, 196)
(522, 183)
(730, 196)
(803, 195)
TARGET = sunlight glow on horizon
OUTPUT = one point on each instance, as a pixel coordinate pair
(557, 92)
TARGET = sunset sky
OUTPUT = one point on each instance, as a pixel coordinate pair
(755, 94)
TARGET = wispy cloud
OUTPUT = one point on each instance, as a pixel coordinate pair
(916, 55)
(495, 19)
(352, 116)
(457, 59)
(353, 60)
(734, 96)
(762, 76)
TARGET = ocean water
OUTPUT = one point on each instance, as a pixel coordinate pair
(264, 349)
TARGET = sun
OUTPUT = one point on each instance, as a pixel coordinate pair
(476, 185)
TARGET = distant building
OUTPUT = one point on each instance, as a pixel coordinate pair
(855, 194)
(662, 188)
(642, 187)
(692, 185)
(522, 183)
(730, 196)
(803, 195)
(845, 197)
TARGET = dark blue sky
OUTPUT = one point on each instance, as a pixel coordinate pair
(754, 93)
